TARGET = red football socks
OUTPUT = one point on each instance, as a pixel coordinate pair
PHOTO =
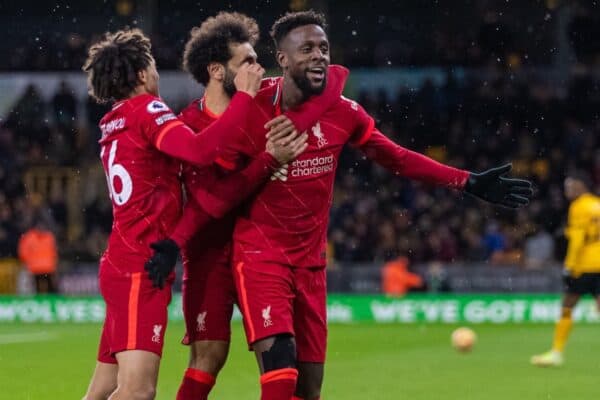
(279, 384)
(196, 385)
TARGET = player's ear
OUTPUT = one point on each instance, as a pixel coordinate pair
(282, 59)
(142, 76)
(216, 71)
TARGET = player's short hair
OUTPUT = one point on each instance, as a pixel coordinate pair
(582, 176)
(210, 42)
(293, 20)
(113, 63)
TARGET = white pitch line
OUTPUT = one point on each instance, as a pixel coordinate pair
(10, 338)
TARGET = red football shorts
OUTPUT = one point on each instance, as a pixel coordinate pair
(136, 313)
(208, 296)
(276, 299)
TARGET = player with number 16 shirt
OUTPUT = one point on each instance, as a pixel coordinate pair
(140, 138)
(142, 146)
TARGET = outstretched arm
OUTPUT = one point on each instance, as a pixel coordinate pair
(403, 162)
(490, 185)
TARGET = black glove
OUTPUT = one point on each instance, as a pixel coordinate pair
(162, 263)
(493, 187)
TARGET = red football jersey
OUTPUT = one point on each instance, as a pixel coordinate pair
(212, 243)
(286, 223)
(143, 183)
(217, 190)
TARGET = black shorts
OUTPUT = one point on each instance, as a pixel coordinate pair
(584, 284)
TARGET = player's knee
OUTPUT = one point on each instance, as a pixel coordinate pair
(209, 363)
(100, 391)
(136, 389)
(209, 357)
(282, 354)
(98, 394)
(137, 392)
(146, 393)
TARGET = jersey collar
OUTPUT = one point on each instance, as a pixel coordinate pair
(204, 108)
(277, 99)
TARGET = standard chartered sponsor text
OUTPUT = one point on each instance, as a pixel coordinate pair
(312, 166)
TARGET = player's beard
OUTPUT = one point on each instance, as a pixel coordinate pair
(228, 83)
(303, 83)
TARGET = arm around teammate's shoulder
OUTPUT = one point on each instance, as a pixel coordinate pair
(226, 133)
(203, 147)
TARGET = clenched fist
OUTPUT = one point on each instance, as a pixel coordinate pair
(248, 78)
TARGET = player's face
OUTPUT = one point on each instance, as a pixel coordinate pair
(304, 55)
(241, 53)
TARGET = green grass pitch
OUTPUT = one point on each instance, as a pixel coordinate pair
(365, 361)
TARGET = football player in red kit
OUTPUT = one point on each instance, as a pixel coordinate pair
(140, 137)
(280, 237)
(213, 55)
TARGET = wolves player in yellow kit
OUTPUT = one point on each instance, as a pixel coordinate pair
(582, 264)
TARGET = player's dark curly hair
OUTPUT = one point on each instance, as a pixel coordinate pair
(293, 20)
(113, 63)
(209, 42)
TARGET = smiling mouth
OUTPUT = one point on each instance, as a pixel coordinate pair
(316, 74)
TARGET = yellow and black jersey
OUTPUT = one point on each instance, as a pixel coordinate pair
(583, 234)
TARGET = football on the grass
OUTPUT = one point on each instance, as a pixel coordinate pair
(463, 339)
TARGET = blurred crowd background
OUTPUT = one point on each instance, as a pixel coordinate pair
(497, 81)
